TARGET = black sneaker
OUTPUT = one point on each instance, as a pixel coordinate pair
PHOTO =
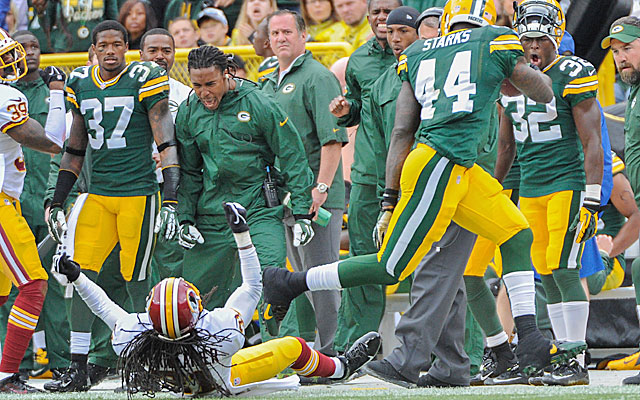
(571, 374)
(280, 287)
(632, 380)
(359, 354)
(15, 385)
(98, 373)
(383, 370)
(74, 379)
(512, 376)
(428, 381)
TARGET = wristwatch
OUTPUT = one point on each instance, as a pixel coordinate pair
(322, 187)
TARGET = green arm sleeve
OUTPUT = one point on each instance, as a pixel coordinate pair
(378, 142)
(54, 167)
(323, 90)
(284, 140)
(190, 168)
(354, 96)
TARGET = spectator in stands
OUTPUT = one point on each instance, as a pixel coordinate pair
(184, 32)
(137, 16)
(354, 15)
(213, 27)
(65, 26)
(322, 21)
(192, 8)
(251, 14)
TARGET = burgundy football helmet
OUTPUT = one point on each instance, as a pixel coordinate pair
(174, 306)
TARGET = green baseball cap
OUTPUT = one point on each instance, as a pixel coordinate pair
(623, 32)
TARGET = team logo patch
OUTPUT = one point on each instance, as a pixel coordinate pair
(288, 88)
(244, 116)
(617, 28)
(19, 163)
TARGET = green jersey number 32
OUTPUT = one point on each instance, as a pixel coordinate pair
(116, 140)
(458, 84)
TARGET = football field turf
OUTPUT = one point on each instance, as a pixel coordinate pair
(604, 385)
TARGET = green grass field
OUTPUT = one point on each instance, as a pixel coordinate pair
(604, 385)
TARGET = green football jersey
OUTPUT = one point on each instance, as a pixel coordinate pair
(115, 115)
(549, 148)
(456, 79)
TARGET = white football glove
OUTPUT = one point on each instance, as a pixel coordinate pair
(167, 222)
(189, 236)
(302, 232)
(57, 223)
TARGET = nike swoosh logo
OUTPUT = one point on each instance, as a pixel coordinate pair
(335, 130)
(284, 122)
(267, 311)
(57, 108)
(16, 100)
(631, 361)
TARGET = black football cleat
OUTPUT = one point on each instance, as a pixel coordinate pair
(359, 354)
(75, 379)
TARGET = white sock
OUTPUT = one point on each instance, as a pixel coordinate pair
(38, 340)
(576, 314)
(556, 315)
(80, 342)
(496, 340)
(339, 372)
(522, 292)
(324, 277)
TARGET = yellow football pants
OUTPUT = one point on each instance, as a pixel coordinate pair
(18, 251)
(550, 217)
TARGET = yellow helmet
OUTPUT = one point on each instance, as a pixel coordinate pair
(13, 65)
(476, 12)
(536, 18)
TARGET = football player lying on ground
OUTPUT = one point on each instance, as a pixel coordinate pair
(178, 346)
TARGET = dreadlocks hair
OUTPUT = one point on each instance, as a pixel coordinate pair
(211, 56)
(109, 25)
(150, 363)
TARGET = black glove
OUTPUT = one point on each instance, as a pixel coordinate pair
(236, 217)
(64, 265)
(52, 74)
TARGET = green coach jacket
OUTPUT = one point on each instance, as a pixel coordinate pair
(224, 154)
(305, 93)
(365, 66)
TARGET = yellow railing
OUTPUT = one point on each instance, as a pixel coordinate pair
(325, 53)
(606, 79)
